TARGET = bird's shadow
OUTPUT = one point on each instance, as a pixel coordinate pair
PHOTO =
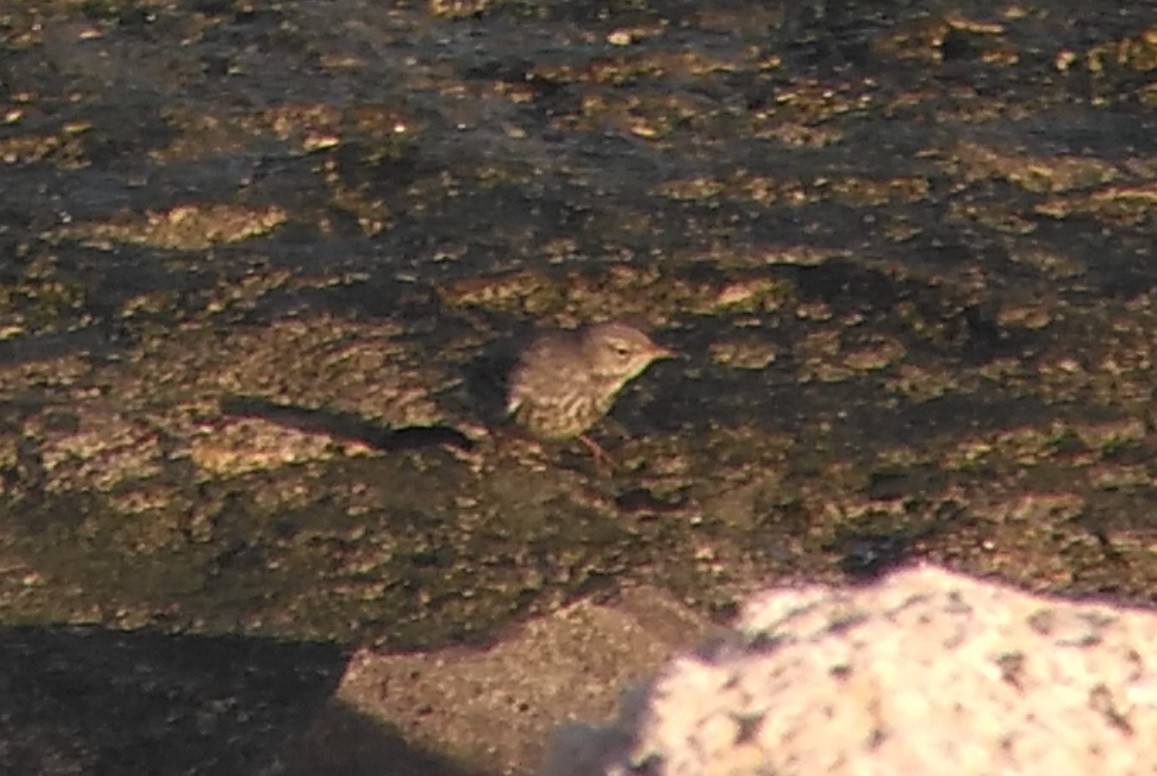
(344, 425)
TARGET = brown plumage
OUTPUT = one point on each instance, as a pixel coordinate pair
(566, 381)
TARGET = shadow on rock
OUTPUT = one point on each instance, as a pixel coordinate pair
(93, 700)
(348, 742)
(344, 425)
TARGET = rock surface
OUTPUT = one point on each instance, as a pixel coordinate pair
(924, 672)
(487, 710)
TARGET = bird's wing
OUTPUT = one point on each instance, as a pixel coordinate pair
(514, 399)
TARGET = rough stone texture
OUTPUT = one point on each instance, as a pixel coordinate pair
(490, 710)
(923, 672)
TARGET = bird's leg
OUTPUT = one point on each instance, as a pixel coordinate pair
(604, 464)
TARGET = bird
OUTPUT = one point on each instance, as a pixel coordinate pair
(565, 381)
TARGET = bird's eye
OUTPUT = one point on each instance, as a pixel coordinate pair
(621, 350)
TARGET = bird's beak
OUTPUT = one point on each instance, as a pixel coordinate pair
(659, 352)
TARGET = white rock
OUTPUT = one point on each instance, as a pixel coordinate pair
(925, 672)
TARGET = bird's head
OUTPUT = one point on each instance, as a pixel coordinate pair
(619, 352)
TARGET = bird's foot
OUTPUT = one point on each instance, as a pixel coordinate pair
(604, 464)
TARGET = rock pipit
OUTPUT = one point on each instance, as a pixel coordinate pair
(566, 381)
